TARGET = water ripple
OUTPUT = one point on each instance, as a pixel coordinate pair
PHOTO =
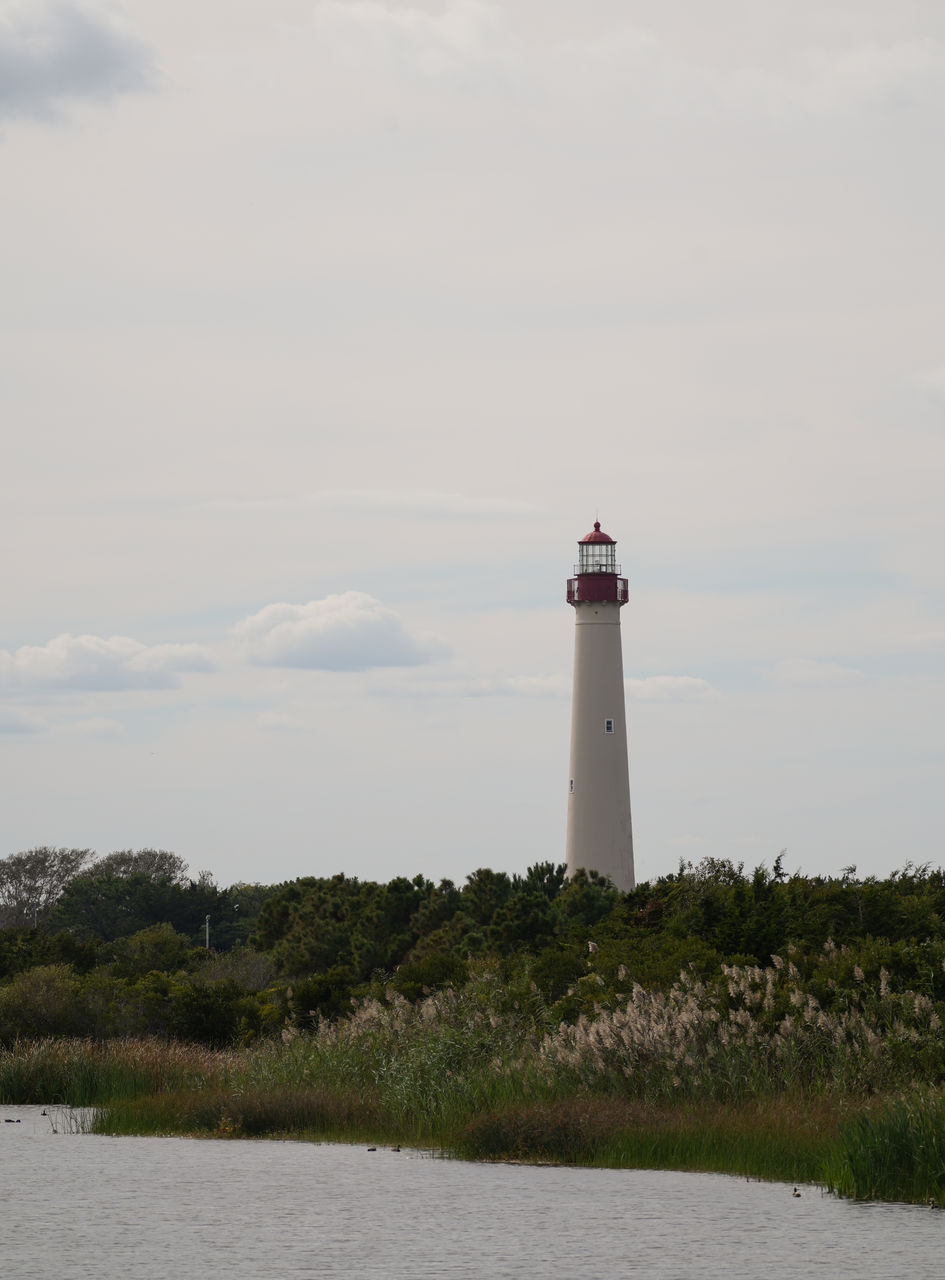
(82, 1207)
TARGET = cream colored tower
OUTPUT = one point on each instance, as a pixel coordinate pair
(599, 832)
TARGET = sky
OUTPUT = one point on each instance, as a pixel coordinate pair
(328, 328)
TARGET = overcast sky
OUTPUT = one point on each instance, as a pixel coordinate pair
(328, 328)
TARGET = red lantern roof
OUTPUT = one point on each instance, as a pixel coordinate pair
(597, 535)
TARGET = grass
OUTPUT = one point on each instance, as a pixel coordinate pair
(752, 1076)
(82, 1073)
(225, 1114)
(777, 1139)
(894, 1151)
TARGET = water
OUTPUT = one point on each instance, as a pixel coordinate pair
(77, 1206)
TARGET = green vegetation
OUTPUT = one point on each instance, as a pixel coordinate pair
(757, 1023)
(893, 1152)
(82, 1073)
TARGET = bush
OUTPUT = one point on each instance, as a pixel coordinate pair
(438, 969)
(42, 1002)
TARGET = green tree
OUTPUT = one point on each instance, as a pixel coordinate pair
(484, 893)
(156, 864)
(114, 906)
(45, 1001)
(417, 978)
(22, 949)
(32, 882)
(525, 920)
(315, 925)
(157, 948)
(587, 899)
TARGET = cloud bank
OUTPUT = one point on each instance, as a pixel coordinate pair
(13, 721)
(347, 632)
(94, 663)
(53, 53)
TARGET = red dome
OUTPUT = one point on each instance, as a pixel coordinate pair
(597, 535)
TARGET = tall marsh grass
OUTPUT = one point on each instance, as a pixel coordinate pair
(759, 1032)
(81, 1073)
(752, 1073)
(782, 1140)
(227, 1113)
(420, 1069)
(895, 1151)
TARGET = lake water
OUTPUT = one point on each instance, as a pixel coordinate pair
(77, 1206)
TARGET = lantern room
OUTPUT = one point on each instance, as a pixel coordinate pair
(597, 553)
(597, 571)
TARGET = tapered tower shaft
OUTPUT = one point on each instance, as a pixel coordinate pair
(599, 835)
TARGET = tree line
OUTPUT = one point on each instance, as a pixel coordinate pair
(115, 945)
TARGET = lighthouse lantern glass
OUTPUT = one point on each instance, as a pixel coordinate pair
(597, 557)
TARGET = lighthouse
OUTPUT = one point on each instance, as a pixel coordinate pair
(599, 832)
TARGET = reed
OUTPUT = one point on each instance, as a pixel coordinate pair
(82, 1073)
(753, 1073)
(756, 1032)
(224, 1113)
(892, 1151)
(781, 1140)
(426, 1067)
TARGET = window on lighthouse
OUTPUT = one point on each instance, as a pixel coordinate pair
(598, 557)
(608, 726)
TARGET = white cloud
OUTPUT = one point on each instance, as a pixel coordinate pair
(666, 263)
(172, 657)
(347, 632)
(781, 66)
(444, 41)
(669, 689)
(13, 721)
(807, 674)
(50, 53)
(92, 662)
(875, 74)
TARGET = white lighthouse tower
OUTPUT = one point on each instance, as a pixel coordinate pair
(599, 833)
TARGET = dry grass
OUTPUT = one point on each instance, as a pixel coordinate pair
(84, 1072)
(761, 1033)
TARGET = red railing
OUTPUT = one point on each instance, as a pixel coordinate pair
(588, 588)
